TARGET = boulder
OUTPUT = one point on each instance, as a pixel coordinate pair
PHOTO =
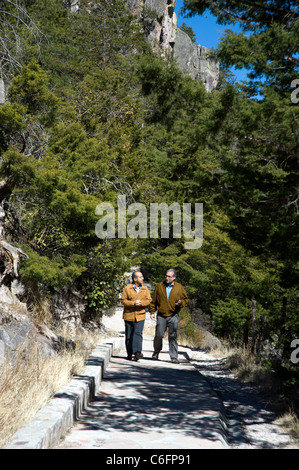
(18, 332)
(209, 341)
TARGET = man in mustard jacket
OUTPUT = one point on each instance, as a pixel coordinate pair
(135, 298)
(169, 297)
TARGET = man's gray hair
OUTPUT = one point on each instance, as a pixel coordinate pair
(173, 270)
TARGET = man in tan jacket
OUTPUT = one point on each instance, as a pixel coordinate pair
(169, 297)
(135, 298)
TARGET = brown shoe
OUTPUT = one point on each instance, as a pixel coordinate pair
(138, 355)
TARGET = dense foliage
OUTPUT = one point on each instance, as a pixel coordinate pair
(93, 113)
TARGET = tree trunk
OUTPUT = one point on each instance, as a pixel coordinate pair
(10, 256)
(254, 330)
(245, 337)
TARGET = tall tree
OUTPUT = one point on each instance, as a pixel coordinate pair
(268, 45)
(66, 134)
(261, 136)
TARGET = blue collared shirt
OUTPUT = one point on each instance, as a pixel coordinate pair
(168, 289)
(136, 288)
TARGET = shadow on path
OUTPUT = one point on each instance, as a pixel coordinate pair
(151, 396)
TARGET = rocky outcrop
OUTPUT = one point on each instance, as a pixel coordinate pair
(208, 341)
(159, 23)
(73, 5)
(195, 60)
(19, 333)
(69, 306)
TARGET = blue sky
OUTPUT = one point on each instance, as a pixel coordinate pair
(207, 31)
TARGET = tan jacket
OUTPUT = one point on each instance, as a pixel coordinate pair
(165, 307)
(129, 296)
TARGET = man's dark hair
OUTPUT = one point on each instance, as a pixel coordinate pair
(134, 275)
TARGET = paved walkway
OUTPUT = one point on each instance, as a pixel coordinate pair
(150, 405)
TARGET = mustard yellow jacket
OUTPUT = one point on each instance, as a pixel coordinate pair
(165, 307)
(129, 296)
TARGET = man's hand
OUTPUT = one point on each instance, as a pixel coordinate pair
(178, 302)
(152, 316)
(138, 303)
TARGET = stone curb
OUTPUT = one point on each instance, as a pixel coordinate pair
(223, 432)
(58, 416)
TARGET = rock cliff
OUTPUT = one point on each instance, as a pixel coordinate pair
(159, 23)
(195, 60)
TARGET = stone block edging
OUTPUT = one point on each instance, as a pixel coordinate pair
(58, 416)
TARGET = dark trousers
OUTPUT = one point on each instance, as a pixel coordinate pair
(162, 324)
(133, 331)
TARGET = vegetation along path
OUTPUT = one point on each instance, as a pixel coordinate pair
(156, 404)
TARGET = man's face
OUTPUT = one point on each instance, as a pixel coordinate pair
(138, 280)
(169, 277)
